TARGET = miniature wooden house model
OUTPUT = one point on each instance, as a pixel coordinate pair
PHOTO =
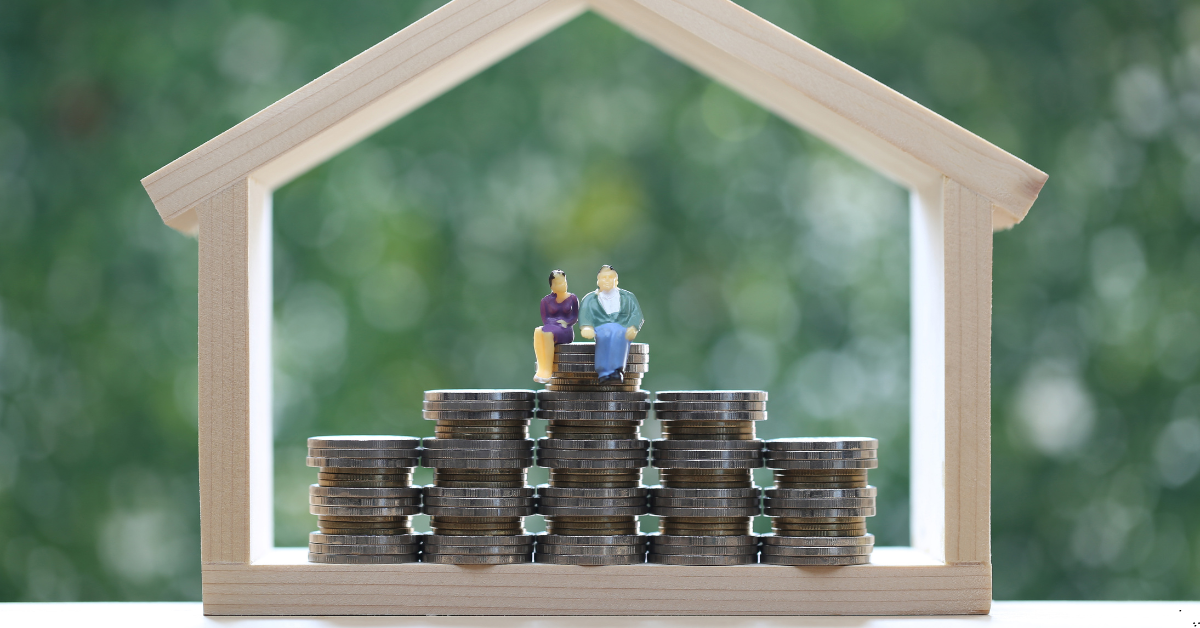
(962, 188)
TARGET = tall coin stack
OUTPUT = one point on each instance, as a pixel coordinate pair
(595, 454)
(707, 499)
(479, 456)
(820, 501)
(363, 499)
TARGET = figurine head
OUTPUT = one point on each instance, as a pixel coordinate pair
(558, 281)
(606, 279)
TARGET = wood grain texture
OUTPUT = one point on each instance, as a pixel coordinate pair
(903, 582)
(967, 217)
(356, 98)
(770, 66)
(234, 375)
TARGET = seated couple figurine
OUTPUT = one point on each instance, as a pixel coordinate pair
(610, 315)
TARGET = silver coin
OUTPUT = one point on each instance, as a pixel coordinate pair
(364, 550)
(710, 406)
(818, 512)
(588, 368)
(576, 463)
(357, 511)
(479, 502)
(476, 454)
(359, 502)
(482, 394)
(845, 550)
(346, 521)
(676, 559)
(525, 444)
(706, 464)
(594, 550)
(466, 511)
(705, 493)
(494, 493)
(817, 541)
(591, 502)
(822, 443)
(587, 559)
(363, 442)
(479, 550)
(589, 358)
(316, 490)
(362, 453)
(360, 463)
(819, 493)
(595, 406)
(595, 454)
(709, 550)
(711, 395)
(631, 387)
(548, 395)
(815, 561)
(669, 444)
(605, 511)
(476, 406)
(363, 539)
(435, 540)
(829, 502)
(665, 415)
(587, 415)
(454, 415)
(568, 347)
(704, 541)
(707, 502)
(707, 454)
(503, 463)
(361, 559)
(464, 559)
(831, 454)
(775, 463)
(671, 511)
(572, 443)
(571, 539)
(640, 492)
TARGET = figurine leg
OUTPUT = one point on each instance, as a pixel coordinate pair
(543, 348)
(611, 350)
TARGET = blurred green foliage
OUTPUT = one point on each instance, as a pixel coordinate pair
(761, 257)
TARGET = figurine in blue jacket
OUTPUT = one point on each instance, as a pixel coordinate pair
(613, 317)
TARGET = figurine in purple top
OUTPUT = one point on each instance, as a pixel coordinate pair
(560, 311)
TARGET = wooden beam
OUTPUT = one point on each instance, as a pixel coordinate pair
(811, 89)
(356, 98)
(235, 375)
(967, 217)
(900, 581)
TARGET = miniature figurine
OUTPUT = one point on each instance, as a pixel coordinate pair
(560, 311)
(613, 317)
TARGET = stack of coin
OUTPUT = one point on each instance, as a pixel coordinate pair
(820, 501)
(478, 500)
(595, 454)
(575, 369)
(364, 499)
(707, 498)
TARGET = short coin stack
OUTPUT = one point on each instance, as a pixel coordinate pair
(707, 498)
(364, 499)
(820, 501)
(479, 457)
(595, 455)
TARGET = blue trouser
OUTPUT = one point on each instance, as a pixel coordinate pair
(611, 349)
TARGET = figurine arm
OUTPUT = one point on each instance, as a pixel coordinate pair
(572, 316)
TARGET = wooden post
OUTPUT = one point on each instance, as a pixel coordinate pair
(236, 501)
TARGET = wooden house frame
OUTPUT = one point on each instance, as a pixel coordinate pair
(962, 188)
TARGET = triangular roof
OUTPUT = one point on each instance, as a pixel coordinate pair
(868, 120)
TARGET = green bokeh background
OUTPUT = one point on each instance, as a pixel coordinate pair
(762, 258)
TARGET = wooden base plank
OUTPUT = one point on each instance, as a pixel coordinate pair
(900, 581)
